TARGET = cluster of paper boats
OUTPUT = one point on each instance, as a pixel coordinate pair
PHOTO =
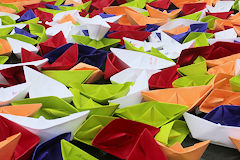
(132, 78)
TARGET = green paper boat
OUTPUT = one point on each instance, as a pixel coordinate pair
(52, 11)
(201, 41)
(172, 132)
(34, 20)
(103, 43)
(236, 5)
(210, 20)
(6, 20)
(130, 46)
(21, 38)
(235, 83)
(193, 80)
(84, 6)
(5, 31)
(66, 77)
(152, 113)
(136, 3)
(193, 16)
(10, 6)
(199, 59)
(101, 93)
(39, 30)
(193, 69)
(195, 35)
(59, 2)
(3, 59)
(83, 103)
(52, 107)
(90, 128)
(72, 152)
(154, 51)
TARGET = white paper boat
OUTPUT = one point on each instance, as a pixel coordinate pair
(47, 129)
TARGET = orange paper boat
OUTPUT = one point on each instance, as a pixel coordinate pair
(75, 3)
(177, 30)
(177, 152)
(221, 81)
(67, 18)
(189, 96)
(136, 18)
(226, 68)
(236, 142)
(7, 147)
(220, 61)
(26, 110)
(180, 3)
(237, 30)
(235, 16)
(119, 10)
(219, 97)
(20, 3)
(7, 10)
(155, 13)
(97, 74)
(5, 48)
(235, 22)
(220, 24)
(124, 20)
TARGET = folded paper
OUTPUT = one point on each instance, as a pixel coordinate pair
(97, 27)
(66, 77)
(50, 87)
(147, 46)
(26, 110)
(136, 18)
(118, 133)
(96, 75)
(219, 97)
(27, 142)
(193, 80)
(51, 148)
(189, 96)
(91, 127)
(8, 146)
(140, 79)
(221, 61)
(16, 46)
(111, 91)
(224, 115)
(70, 151)
(235, 84)
(52, 107)
(59, 58)
(152, 113)
(164, 78)
(14, 93)
(47, 129)
(173, 132)
(208, 128)
(113, 65)
(135, 59)
(177, 152)
(52, 43)
(236, 142)
(83, 103)
(222, 81)
(103, 43)
(27, 56)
